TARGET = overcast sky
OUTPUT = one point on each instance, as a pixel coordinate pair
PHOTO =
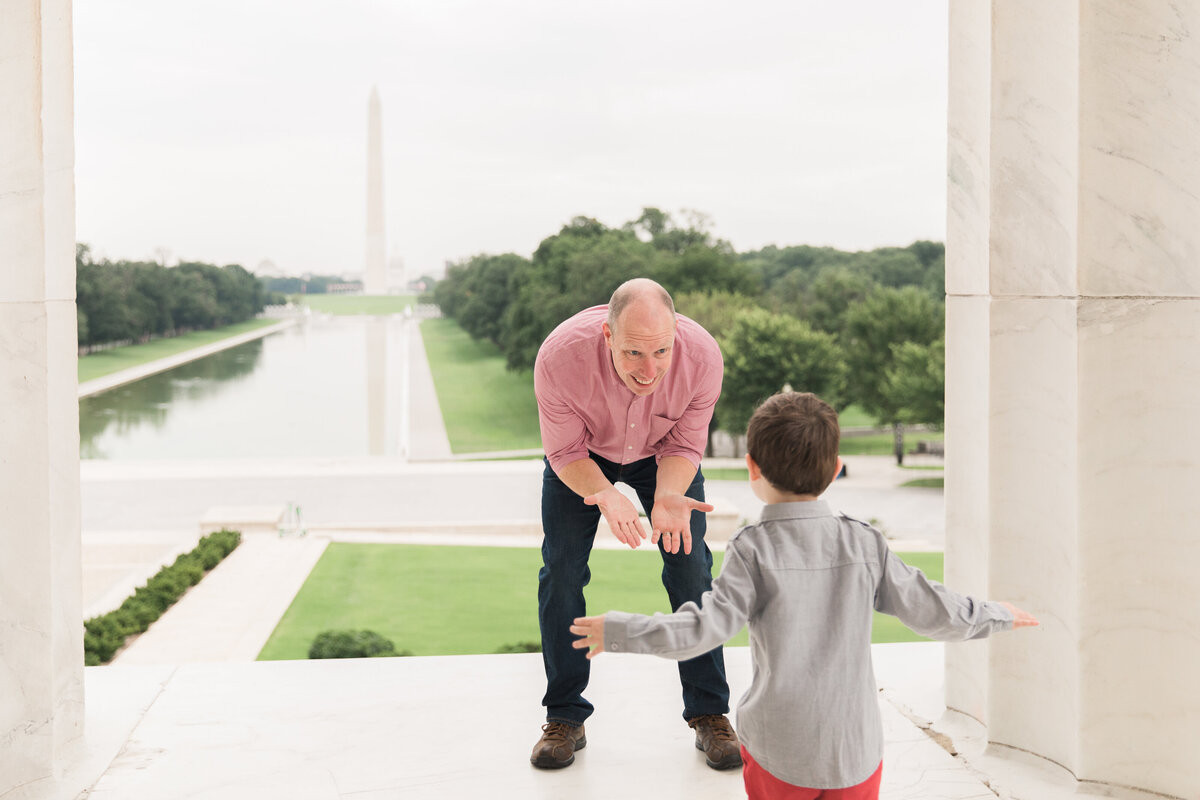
(235, 130)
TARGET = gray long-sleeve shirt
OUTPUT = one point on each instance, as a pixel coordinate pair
(807, 581)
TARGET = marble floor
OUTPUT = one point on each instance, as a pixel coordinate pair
(444, 727)
(462, 727)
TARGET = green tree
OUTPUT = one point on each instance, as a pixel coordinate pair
(578, 267)
(715, 311)
(153, 298)
(703, 268)
(102, 295)
(917, 381)
(886, 319)
(135, 300)
(660, 229)
(831, 295)
(691, 258)
(763, 353)
(893, 266)
(932, 256)
(483, 294)
(450, 292)
(195, 299)
(772, 263)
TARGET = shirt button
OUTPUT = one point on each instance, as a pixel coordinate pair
(633, 424)
(629, 448)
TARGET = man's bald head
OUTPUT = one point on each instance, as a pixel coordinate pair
(638, 291)
(640, 332)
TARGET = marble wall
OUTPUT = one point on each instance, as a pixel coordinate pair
(41, 638)
(1074, 186)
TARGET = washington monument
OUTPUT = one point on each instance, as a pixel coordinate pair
(375, 272)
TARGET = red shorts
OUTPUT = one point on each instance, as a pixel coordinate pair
(762, 785)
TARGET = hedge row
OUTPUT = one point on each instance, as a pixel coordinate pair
(369, 644)
(353, 644)
(105, 634)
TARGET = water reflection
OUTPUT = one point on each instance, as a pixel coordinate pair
(148, 402)
(326, 387)
(376, 385)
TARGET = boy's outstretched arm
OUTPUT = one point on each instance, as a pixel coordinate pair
(1021, 619)
(591, 629)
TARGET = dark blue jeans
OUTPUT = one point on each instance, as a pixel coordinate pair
(570, 528)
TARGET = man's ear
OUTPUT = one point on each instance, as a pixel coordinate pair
(607, 333)
(752, 465)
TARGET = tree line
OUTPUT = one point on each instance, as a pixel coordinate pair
(864, 328)
(135, 301)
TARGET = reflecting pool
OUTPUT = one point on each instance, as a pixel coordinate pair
(327, 387)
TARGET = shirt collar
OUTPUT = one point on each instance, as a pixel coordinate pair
(804, 510)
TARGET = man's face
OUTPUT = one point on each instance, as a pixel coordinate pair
(641, 346)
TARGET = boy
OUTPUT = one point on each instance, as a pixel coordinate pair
(806, 581)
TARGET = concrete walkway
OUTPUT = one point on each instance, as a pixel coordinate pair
(230, 614)
(427, 439)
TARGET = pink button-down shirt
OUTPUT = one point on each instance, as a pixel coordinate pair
(583, 405)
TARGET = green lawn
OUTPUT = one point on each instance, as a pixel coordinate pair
(726, 474)
(417, 596)
(882, 444)
(485, 407)
(925, 483)
(355, 303)
(103, 363)
(855, 417)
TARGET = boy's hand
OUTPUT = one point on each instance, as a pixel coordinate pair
(591, 629)
(1021, 619)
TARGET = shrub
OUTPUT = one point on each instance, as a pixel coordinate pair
(521, 647)
(352, 644)
(104, 635)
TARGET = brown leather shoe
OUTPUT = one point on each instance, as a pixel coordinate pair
(715, 736)
(556, 749)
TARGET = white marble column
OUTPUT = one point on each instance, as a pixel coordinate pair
(1139, 392)
(1074, 192)
(375, 272)
(967, 307)
(41, 634)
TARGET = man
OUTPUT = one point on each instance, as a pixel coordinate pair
(625, 393)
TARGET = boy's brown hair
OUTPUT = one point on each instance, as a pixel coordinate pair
(793, 437)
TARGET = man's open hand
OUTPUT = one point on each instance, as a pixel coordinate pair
(671, 520)
(621, 515)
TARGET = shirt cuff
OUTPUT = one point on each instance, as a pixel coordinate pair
(616, 631)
